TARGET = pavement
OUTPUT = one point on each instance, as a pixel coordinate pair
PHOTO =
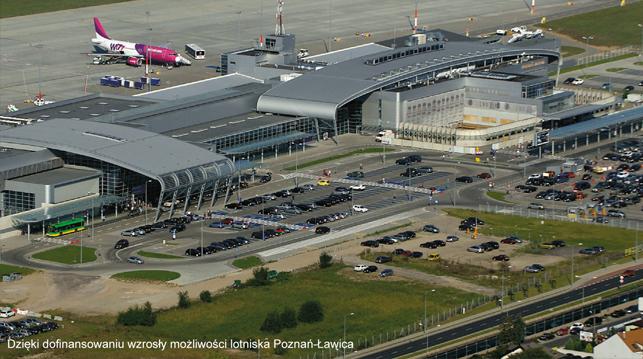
(47, 52)
(630, 75)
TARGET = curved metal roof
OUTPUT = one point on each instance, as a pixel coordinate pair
(172, 162)
(320, 93)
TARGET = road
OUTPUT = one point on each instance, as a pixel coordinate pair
(492, 321)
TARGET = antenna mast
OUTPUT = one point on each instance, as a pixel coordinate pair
(279, 26)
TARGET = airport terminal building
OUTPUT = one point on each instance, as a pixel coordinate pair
(186, 145)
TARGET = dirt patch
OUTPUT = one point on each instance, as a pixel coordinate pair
(366, 277)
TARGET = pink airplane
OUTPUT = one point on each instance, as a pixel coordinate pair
(109, 50)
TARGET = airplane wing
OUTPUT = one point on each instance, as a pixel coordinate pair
(100, 54)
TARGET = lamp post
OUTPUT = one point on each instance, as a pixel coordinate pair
(573, 250)
(641, 49)
(145, 204)
(202, 238)
(344, 344)
(502, 293)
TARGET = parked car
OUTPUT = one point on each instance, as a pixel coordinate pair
(135, 260)
(534, 268)
(475, 249)
(370, 269)
(386, 273)
(6, 312)
(501, 258)
(452, 238)
(425, 169)
(590, 322)
(129, 233)
(370, 243)
(383, 259)
(323, 183)
(464, 179)
(484, 175)
(359, 208)
(360, 267)
(431, 228)
(322, 230)
(434, 256)
(618, 313)
(546, 337)
(121, 243)
(535, 205)
(357, 187)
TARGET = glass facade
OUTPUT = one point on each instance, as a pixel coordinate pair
(268, 137)
(16, 202)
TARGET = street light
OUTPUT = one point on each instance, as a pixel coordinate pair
(344, 343)
(573, 250)
(425, 321)
(145, 204)
(202, 238)
(502, 293)
(641, 49)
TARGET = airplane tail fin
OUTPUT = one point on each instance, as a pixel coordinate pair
(100, 30)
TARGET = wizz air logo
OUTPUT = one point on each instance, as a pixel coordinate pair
(116, 47)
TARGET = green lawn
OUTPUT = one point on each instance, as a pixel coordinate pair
(67, 254)
(247, 262)
(10, 8)
(639, 63)
(614, 26)
(615, 69)
(378, 305)
(498, 196)
(157, 255)
(568, 51)
(612, 238)
(8, 269)
(361, 151)
(591, 64)
(148, 275)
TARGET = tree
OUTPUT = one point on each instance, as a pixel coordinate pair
(272, 323)
(325, 260)
(525, 290)
(539, 286)
(288, 318)
(589, 348)
(512, 331)
(138, 316)
(511, 294)
(206, 296)
(184, 300)
(552, 283)
(311, 312)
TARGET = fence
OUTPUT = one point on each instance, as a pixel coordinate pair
(607, 55)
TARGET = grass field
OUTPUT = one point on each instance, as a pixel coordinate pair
(591, 64)
(147, 275)
(378, 306)
(501, 225)
(11, 8)
(639, 63)
(498, 196)
(568, 51)
(8, 269)
(247, 262)
(157, 255)
(361, 151)
(67, 255)
(615, 69)
(614, 26)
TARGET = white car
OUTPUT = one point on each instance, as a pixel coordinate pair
(475, 249)
(623, 174)
(535, 175)
(6, 312)
(359, 208)
(452, 238)
(578, 82)
(360, 267)
(358, 187)
(135, 260)
(577, 325)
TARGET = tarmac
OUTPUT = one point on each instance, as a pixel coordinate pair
(47, 52)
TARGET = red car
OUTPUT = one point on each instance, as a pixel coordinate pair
(228, 220)
(484, 175)
(628, 273)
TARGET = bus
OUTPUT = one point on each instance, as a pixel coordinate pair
(65, 227)
(195, 51)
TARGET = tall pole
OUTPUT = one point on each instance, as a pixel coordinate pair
(424, 323)
(641, 49)
(145, 204)
(202, 238)
(344, 344)
(330, 25)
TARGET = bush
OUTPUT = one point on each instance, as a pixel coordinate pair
(206, 296)
(272, 323)
(184, 300)
(138, 316)
(311, 312)
(325, 260)
(288, 318)
(260, 277)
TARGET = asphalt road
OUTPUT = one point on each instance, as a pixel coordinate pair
(492, 321)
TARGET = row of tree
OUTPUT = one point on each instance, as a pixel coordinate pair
(309, 312)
